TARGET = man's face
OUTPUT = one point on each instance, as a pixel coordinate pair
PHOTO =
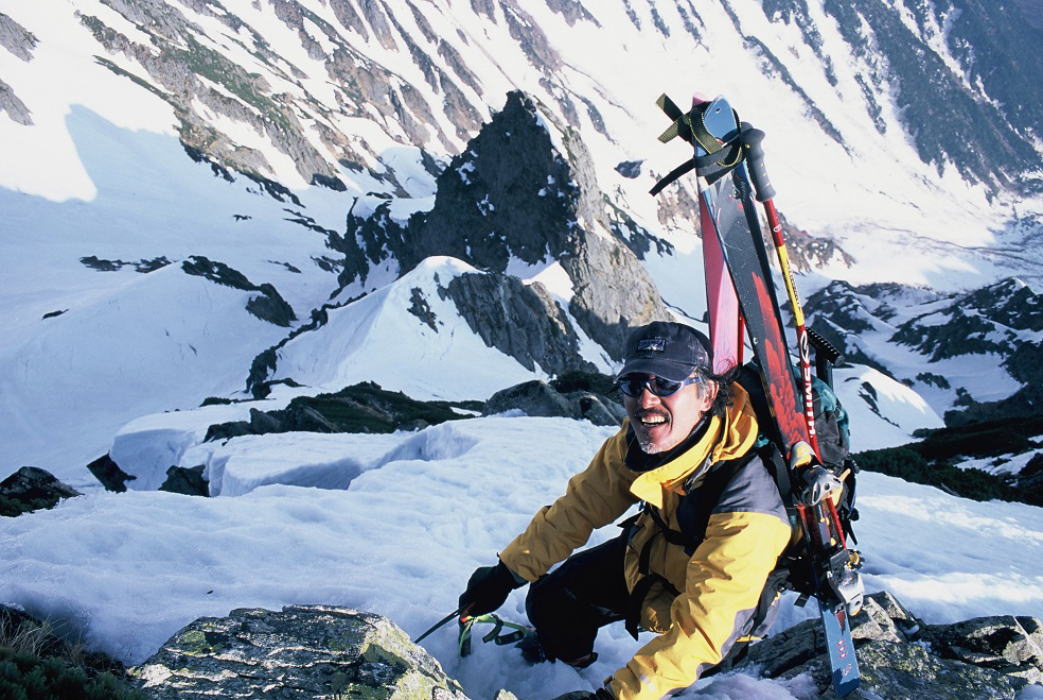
(661, 423)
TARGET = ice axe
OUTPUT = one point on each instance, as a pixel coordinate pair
(459, 612)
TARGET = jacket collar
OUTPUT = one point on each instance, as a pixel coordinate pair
(726, 437)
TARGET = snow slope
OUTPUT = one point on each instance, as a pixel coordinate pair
(126, 571)
(100, 172)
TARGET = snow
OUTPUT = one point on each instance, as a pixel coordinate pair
(395, 523)
(237, 466)
(377, 339)
(881, 411)
(146, 446)
(126, 571)
(1001, 465)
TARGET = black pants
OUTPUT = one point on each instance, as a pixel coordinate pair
(570, 604)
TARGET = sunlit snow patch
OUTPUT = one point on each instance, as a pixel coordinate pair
(882, 412)
(431, 353)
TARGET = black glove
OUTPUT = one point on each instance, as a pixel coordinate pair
(487, 589)
(599, 694)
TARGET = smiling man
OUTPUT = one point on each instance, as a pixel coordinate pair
(691, 565)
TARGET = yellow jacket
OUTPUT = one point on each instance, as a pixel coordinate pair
(719, 583)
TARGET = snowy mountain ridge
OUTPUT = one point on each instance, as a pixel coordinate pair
(380, 108)
(213, 209)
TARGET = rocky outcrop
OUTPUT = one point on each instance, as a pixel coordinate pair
(15, 108)
(809, 252)
(517, 193)
(31, 488)
(298, 652)
(268, 305)
(188, 481)
(1011, 645)
(109, 474)
(143, 265)
(518, 320)
(16, 38)
(559, 398)
(182, 69)
(613, 293)
(360, 408)
(901, 657)
(947, 110)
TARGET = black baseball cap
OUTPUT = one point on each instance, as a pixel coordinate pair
(666, 349)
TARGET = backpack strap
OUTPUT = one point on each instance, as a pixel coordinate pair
(699, 503)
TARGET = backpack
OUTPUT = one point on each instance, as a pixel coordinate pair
(834, 439)
(794, 570)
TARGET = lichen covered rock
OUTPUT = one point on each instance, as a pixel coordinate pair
(900, 657)
(299, 652)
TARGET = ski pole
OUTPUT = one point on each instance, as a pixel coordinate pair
(751, 140)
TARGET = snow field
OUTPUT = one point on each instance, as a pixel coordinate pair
(126, 571)
(376, 339)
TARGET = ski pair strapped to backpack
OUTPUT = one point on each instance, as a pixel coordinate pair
(738, 277)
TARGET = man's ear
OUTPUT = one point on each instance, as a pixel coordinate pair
(711, 392)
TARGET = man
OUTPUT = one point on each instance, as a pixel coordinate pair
(691, 566)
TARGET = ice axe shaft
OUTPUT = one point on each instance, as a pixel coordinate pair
(456, 613)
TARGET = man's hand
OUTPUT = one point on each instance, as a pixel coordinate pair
(487, 589)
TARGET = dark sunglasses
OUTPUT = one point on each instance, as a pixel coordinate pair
(634, 384)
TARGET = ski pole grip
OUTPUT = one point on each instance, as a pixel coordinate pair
(751, 141)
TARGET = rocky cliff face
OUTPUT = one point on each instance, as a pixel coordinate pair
(514, 196)
(1001, 321)
(948, 65)
(520, 320)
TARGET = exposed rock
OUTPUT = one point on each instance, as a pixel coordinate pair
(144, 265)
(180, 69)
(613, 293)
(360, 408)
(268, 306)
(808, 252)
(677, 205)
(982, 658)
(537, 398)
(509, 194)
(15, 108)
(572, 11)
(186, 480)
(512, 195)
(109, 474)
(420, 308)
(1030, 480)
(1011, 645)
(629, 168)
(31, 488)
(299, 652)
(892, 670)
(16, 38)
(519, 320)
